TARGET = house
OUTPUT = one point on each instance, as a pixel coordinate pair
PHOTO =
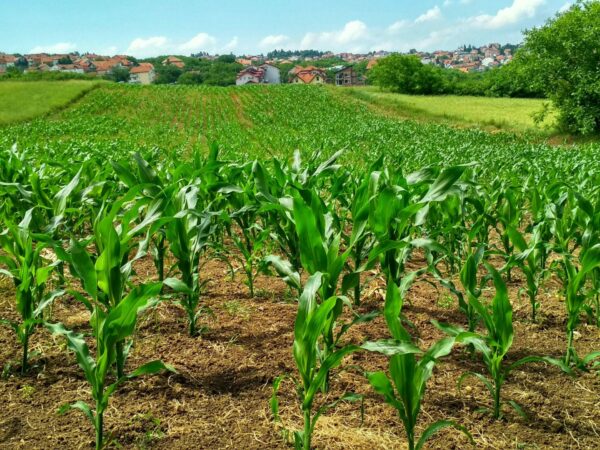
(250, 75)
(106, 67)
(346, 76)
(70, 68)
(7, 61)
(491, 52)
(271, 74)
(244, 61)
(142, 74)
(173, 61)
(123, 60)
(265, 74)
(487, 62)
(308, 75)
(85, 64)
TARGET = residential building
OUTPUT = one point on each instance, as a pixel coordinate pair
(7, 61)
(174, 61)
(346, 77)
(271, 74)
(308, 75)
(264, 74)
(250, 75)
(70, 68)
(142, 74)
(106, 67)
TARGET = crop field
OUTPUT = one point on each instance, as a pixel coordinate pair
(21, 100)
(509, 114)
(280, 267)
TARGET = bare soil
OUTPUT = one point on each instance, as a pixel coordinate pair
(220, 397)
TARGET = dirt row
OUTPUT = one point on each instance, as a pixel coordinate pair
(219, 399)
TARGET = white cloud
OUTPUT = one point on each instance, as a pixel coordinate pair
(353, 37)
(434, 13)
(565, 7)
(510, 15)
(151, 46)
(161, 45)
(60, 47)
(231, 45)
(398, 26)
(200, 42)
(273, 40)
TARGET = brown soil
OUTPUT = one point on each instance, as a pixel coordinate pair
(239, 111)
(220, 397)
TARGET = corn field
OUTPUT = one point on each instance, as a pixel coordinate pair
(116, 212)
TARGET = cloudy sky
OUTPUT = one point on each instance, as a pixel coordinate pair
(149, 27)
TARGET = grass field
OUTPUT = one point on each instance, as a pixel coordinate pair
(510, 114)
(235, 197)
(23, 100)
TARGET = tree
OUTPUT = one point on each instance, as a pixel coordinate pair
(562, 59)
(190, 78)
(118, 74)
(21, 63)
(406, 74)
(167, 74)
(65, 60)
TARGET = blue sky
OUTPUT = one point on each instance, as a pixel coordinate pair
(149, 27)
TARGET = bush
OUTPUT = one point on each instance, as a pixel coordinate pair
(406, 74)
(118, 74)
(167, 74)
(190, 78)
(46, 76)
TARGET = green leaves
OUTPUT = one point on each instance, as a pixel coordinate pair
(111, 330)
(443, 184)
(84, 268)
(77, 344)
(409, 376)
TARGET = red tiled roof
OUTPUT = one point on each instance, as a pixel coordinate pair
(142, 68)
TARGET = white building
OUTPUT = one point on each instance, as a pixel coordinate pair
(271, 74)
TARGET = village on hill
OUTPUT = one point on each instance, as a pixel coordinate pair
(279, 66)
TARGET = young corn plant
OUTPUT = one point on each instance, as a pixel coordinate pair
(495, 344)
(529, 259)
(574, 278)
(400, 205)
(25, 265)
(471, 287)
(320, 252)
(361, 236)
(189, 234)
(276, 214)
(312, 321)
(159, 193)
(405, 387)
(110, 329)
(273, 193)
(508, 214)
(244, 226)
(106, 275)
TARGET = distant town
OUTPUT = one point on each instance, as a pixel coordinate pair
(279, 66)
